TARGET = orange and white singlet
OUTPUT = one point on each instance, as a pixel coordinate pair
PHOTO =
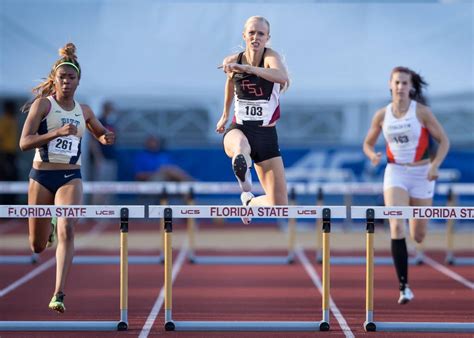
(406, 138)
(63, 149)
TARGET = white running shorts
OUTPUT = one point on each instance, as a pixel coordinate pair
(412, 179)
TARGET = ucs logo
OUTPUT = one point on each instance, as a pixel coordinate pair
(190, 212)
(393, 213)
(307, 212)
(105, 212)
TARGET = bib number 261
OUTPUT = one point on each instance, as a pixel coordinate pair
(63, 144)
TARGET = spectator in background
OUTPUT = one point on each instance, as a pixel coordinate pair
(8, 146)
(155, 164)
(104, 158)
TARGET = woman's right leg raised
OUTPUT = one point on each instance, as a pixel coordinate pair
(237, 147)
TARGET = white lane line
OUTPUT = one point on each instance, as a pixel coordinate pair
(317, 282)
(30, 275)
(98, 228)
(448, 272)
(159, 301)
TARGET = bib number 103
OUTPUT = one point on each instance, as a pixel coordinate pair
(253, 111)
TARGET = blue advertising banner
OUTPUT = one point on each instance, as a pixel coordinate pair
(322, 164)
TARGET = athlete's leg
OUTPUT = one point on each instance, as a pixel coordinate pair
(271, 174)
(236, 143)
(39, 228)
(68, 194)
(237, 147)
(396, 196)
(418, 227)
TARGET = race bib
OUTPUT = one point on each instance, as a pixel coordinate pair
(64, 145)
(251, 110)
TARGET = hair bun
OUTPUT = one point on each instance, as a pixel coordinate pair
(68, 51)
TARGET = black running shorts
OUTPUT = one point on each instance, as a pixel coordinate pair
(263, 141)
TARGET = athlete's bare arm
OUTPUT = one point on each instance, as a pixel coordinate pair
(273, 69)
(427, 118)
(30, 138)
(228, 94)
(372, 136)
(96, 128)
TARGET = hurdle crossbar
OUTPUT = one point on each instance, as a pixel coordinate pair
(168, 213)
(230, 188)
(370, 214)
(96, 211)
(241, 260)
(354, 260)
(80, 211)
(451, 259)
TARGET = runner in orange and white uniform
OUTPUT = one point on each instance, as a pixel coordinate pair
(407, 124)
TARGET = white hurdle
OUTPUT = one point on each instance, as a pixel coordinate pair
(80, 211)
(196, 211)
(370, 214)
(194, 258)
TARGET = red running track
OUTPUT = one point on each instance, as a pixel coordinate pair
(273, 293)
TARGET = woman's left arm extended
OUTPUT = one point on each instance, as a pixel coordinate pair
(102, 134)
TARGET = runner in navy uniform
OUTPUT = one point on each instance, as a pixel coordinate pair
(54, 128)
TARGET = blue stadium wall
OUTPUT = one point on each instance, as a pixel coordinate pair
(213, 165)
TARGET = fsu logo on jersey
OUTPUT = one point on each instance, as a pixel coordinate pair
(250, 87)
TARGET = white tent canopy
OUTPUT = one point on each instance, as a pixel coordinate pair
(155, 48)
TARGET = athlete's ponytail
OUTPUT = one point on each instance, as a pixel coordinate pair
(46, 88)
(418, 83)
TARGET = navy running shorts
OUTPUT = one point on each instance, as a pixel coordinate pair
(54, 179)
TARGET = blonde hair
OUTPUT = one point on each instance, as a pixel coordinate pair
(46, 88)
(259, 18)
(264, 20)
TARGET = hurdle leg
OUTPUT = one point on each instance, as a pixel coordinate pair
(369, 324)
(291, 239)
(168, 231)
(292, 229)
(163, 201)
(326, 230)
(191, 226)
(450, 231)
(123, 324)
(319, 226)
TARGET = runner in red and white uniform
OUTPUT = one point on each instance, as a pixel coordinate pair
(407, 125)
